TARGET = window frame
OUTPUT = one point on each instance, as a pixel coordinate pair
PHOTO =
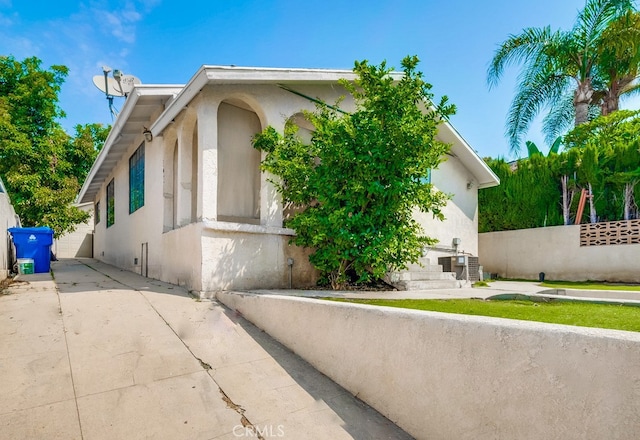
(96, 213)
(136, 179)
(111, 203)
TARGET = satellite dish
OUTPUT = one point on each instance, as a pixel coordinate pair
(126, 83)
(109, 86)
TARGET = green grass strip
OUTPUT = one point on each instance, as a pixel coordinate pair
(588, 285)
(616, 317)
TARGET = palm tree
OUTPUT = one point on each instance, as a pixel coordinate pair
(619, 60)
(559, 68)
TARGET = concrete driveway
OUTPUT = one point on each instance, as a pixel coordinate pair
(100, 353)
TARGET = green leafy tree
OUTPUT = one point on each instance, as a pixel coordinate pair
(84, 148)
(612, 145)
(362, 175)
(589, 173)
(41, 164)
(560, 69)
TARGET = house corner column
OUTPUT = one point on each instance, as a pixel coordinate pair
(271, 207)
(208, 170)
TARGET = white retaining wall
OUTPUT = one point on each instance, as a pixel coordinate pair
(443, 376)
(556, 251)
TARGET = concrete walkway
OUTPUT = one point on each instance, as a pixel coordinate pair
(100, 353)
(496, 287)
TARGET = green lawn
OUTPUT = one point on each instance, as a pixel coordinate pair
(571, 313)
(588, 285)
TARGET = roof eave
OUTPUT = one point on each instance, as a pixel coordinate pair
(483, 174)
(87, 194)
(211, 74)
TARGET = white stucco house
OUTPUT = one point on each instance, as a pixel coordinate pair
(179, 196)
(8, 219)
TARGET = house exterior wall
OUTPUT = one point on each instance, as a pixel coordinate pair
(8, 220)
(205, 224)
(252, 257)
(461, 212)
(121, 244)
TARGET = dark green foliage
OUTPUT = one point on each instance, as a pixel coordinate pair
(603, 153)
(527, 197)
(359, 179)
(41, 165)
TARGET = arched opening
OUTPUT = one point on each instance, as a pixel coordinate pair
(238, 163)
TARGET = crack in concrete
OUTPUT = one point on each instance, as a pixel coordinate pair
(240, 410)
(203, 363)
(230, 404)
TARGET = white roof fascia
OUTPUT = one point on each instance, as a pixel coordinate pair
(111, 138)
(209, 74)
(122, 119)
(478, 167)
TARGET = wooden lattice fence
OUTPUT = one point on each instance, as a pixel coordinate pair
(610, 233)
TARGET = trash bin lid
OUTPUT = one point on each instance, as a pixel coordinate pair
(32, 230)
(43, 235)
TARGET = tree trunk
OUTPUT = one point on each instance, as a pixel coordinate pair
(581, 100)
(628, 193)
(566, 200)
(611, 100)
(593, 218)
(630, 208)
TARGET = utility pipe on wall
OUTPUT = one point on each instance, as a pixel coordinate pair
(290, 264)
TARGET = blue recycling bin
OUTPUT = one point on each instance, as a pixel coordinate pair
(34, 243)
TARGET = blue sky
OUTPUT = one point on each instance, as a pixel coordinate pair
(165, 42)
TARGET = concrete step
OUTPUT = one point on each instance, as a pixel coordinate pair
(424, 276)
(426, 267)
(427, 284)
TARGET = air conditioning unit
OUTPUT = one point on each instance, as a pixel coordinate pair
(464, 266)
(459, 260)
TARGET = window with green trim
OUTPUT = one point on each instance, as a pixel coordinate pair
(111, 204)
(96, 213)
(136, 180)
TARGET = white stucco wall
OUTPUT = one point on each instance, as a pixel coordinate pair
(78, 243)
(556, 251)
(8, 220)
(184, 201)
(441, 376)
(461, 212)
(122, 243)
(250, 257)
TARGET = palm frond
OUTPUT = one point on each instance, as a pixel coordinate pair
(560, 118)
(518, 49)
(591, 22)
(632, 90)
(541, 86)
(595, 16)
